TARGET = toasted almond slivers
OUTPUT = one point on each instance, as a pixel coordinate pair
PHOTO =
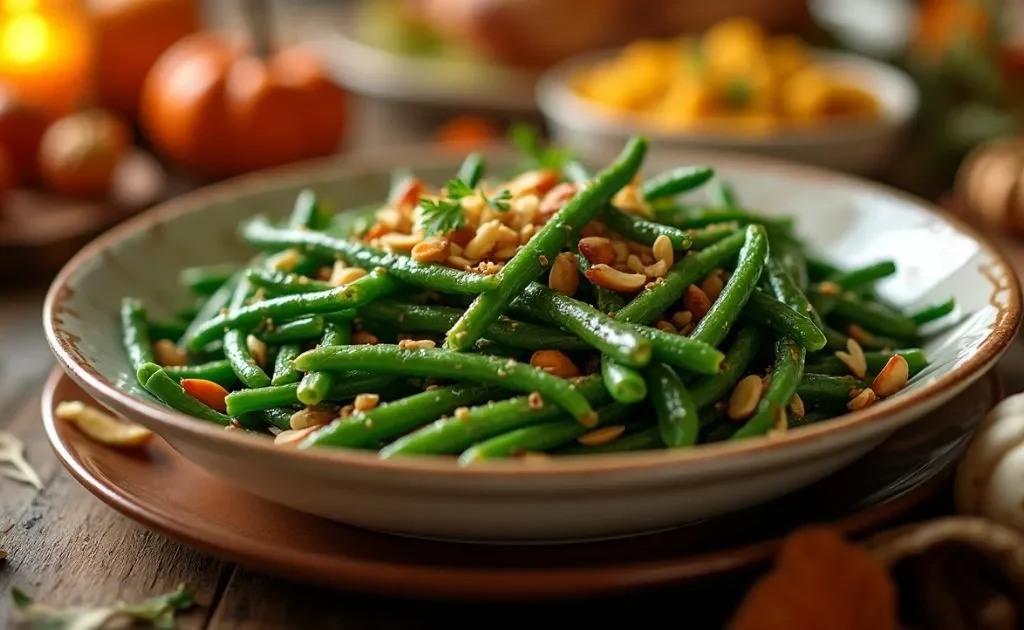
(284, 261)
(656, 270)
(167, 353)
(484, 242)
(257, 349)
(526, 233)
(744, 398)
(564, 276)
(292, 437)
(101, 426)
(305, 418)
(597, 249)
(458, 262)
(366, 402)
(712, 286)
(604, 435)
(780, 420)
(863, 400)
(682, 318)
(629, 199)
(696, 301)
(853, 358)
(892, 378)
(621, 251)
(663, 251)
(416, 344)
(505, 253)
(796, 405)
(666, 326)
(555, 363)
(342, 275)
(507, 237)
(363, 337)
(609, 278)
(535, 401)
(400, 242)
(828, 288)
(431, 250)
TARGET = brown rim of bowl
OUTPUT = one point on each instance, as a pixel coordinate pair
(1001, 334)
(558, 101)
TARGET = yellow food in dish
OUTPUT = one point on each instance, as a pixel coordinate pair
(734, 77)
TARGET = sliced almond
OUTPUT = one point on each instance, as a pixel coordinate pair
(853, 358)
(305, 418)
(397, 242)
(526, 233)
(292, 437)
(712, 286)
(485, 241)
(682, 318)
(101, 426)
(564, 276)
(556, 198)
(257, 349)
(555, 363)
(666, 326)
(656, 270)
(744, 398)
(796, 405)
(663, 251)
(828, 288)
(609, 278)
(604, 435)
(597, 250)
(780, 420)
(366, 402)
(416, 344)
(892, 378)
(696, 301)
(431, 250)
(363, 337)
(634, 264)
(621, 251)
(167, 353)
(863, 400)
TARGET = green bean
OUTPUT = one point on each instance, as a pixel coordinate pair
(690, 218)
(703, 238)
(456, 434)
(722, 195)
(934, 312)
(354, 221)
(711, 389)
(575, 172)
(279, 283)
(156, 381)
(135, 333)
(715, 325)
(260, 233)
(679, 351)
(819, 269)
(791, 259)
(644, 440)
(540, 251)
(816, 389)
(625, 384)
(187, 313)
(169, 330)
(786, 375)
(834, 340)
(302, 329)
(365, 289)
(537, 438)
(676, 181)
(437, 362)
(786, 289)
(875, 318)
(764, 309)
(635, 228)
(219, 372)
(347, 386)
(865, 275)
(213, 306)
(438, 319)
(236, 351)
(472, 169)
(676, 410)
(284, 371)
(613, 338)
(368, 429)
(306, 212)
(314, 386)
(278, 417)
(916, 361)
(692, 268)
(869, 341)
(206, 280)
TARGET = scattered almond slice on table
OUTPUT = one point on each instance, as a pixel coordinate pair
(103, 427)
(12, 453)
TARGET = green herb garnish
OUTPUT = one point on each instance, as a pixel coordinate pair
(525, 138)
(158, 612)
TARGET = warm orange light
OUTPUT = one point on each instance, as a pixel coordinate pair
(45, 51)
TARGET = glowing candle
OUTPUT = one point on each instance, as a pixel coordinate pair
(46, 52)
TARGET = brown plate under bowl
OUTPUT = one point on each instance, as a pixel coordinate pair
(166, 492)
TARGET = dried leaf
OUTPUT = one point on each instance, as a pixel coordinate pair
(12, 452)
(158, 612)
(820, 581)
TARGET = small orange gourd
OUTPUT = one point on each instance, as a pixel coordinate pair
(219, 110)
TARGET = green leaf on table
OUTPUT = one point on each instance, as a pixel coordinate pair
(157, 611)
(12, 456)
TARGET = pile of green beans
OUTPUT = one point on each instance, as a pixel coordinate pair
(424, 358)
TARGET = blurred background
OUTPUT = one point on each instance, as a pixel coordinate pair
(110, 106)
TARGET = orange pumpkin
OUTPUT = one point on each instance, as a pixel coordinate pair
(80, 153)
(21, 128)
(218, 111)
(130, 36)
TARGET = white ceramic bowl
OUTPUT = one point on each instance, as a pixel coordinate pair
(565, 498)
(861, 147)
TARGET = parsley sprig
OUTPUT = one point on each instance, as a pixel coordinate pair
(535, 154)
(443, 215)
